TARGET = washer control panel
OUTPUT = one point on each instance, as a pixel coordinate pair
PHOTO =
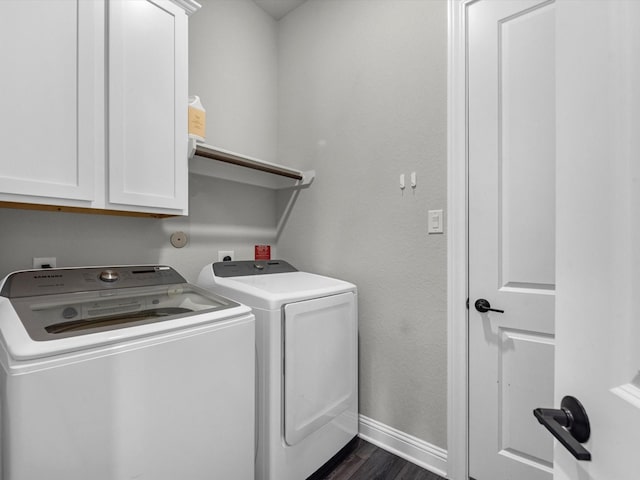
(55, 281)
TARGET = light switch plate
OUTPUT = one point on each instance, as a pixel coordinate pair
(435, 221)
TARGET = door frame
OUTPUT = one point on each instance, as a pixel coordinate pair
(457, 245)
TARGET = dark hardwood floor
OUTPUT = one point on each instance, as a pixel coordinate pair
(363, 461)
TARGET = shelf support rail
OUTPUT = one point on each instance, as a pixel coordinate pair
(304, 178)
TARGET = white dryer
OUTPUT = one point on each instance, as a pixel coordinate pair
(306, 337)
(123, 372)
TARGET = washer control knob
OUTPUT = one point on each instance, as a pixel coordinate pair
(259, 266)
(109, 276)
(69, 312)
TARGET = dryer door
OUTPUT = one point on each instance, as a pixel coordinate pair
(320, 363)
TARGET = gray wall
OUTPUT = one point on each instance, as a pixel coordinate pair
(233, 68)
(223, 216)
(362, 89)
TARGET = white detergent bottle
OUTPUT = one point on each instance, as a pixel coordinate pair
(197, 119)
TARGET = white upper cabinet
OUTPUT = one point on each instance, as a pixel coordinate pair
(49, 101)
(93, 104)
(148, 104)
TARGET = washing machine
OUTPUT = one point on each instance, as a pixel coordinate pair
(306, 338)
(121, 372)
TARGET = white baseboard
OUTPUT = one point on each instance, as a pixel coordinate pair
(406, 446)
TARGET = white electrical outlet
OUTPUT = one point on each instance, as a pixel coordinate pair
(225, 255)
(44, 262)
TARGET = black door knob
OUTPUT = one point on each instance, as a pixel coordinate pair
(569, 424)
(484, 306)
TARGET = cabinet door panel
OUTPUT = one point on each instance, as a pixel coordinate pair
(147, 104)
(46, 125)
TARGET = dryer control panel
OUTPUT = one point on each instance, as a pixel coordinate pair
(251, 267)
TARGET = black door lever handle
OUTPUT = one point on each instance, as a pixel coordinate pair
(569, 424)
(484, 306)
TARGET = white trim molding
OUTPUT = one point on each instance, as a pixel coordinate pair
(457, 248)
(189, 6)
(412, 449)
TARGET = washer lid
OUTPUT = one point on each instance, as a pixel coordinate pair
(47, 312)
(272, 291)
(52, 317)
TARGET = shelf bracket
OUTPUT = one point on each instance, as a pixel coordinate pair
(299, 177)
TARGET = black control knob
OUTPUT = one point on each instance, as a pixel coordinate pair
(109, 276)
(69, 312)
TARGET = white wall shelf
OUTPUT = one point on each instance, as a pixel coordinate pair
(216, 162)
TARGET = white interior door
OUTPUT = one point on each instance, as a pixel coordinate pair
(511, 142)
(598, 307)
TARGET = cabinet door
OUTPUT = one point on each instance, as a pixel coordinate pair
(49, 110)
(147, 157)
